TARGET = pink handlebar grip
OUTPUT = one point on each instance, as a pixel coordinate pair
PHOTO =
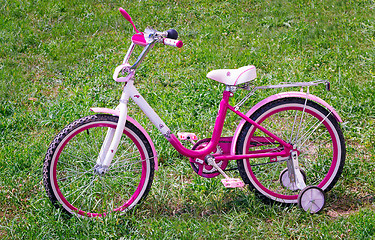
(127, 17)
(173, 42)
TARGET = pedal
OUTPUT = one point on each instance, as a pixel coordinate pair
(187, 136)
(232, 182)
(227, 181)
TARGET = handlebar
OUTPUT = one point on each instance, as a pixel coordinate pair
(147, 40)
(168, 37)
(173, 42)
(140, 40)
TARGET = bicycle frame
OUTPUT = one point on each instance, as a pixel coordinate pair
(109, 147)
(113, 137)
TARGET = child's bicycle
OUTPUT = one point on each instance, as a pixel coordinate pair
(289, 147)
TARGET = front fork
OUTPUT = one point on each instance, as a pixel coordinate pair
(294, 172)
(113, 136)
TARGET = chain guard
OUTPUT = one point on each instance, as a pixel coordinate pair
(200, 167)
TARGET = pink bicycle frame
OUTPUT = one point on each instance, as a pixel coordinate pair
(219, 123)
(130, 91)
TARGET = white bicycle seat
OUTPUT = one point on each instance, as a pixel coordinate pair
(233, 77)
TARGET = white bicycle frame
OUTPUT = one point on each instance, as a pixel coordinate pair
(113, 137)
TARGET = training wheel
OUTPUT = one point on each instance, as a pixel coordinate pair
(285, 180)
(311, 199)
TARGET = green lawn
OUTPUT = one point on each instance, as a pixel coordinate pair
(57, 59)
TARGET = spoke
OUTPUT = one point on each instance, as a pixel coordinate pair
(300, 123)
(310, 145)
(123, 161)
(69, 168)
(73, 156)
(61, 179)
(107, 195)
(74, 170)
(128, 163)
(270, 123)
(307, 138)
(294, 123)
(126, 151)
(69, 175)
(122, 177)
(114, 192)
(316, 205)
(96, 200)
(90, 198)
(102, 193)
(78, 151)
(101, 136)
(270, 128)
(283, 133)
(96, 149)
(128, 160)
(96, 204)
(132, 170)
(305, 125)
(65, 167)
(124, 154)
(312, 129)
(122, 167)
(68, 195)
(91, 140)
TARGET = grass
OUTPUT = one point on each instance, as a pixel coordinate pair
(57, 59)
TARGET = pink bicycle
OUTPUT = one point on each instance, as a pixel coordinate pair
(289, 147)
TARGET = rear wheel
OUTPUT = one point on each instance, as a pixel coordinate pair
(74, 185)
(309, 127)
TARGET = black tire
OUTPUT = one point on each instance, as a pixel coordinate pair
(322, 157)
(68, 172)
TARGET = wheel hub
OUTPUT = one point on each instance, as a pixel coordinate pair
(100, 170)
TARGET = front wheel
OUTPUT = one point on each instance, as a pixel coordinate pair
(311, 129)
(71, 180)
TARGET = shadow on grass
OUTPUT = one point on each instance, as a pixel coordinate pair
(344, 204)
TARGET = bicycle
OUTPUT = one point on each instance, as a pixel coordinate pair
(289, 147)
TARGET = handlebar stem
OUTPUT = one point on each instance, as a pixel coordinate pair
(143, 54)
(128, 54)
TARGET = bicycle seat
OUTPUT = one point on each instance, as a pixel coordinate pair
(233, 77)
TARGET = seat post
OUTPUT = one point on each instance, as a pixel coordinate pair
(231, 89)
